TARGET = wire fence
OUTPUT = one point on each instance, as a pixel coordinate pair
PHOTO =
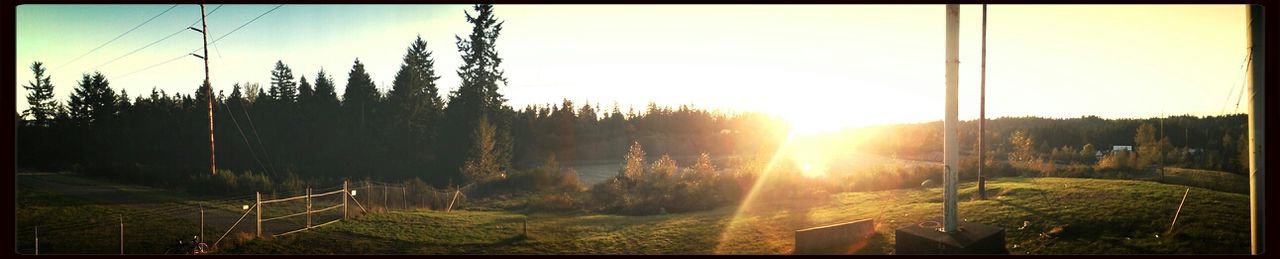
(148, 228)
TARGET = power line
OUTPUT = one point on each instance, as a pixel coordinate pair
(1244, 76)
(242, 26)
(211, 43)
(157, 41)
(1248, 55)
(1243, 60)
(117, 37)
(242, 136)
(153, 66)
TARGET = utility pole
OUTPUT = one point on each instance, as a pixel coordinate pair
(950, 144)
(982, 110)
(205, 32)
(1257, 36)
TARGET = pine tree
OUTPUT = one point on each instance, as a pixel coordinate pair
(325, 93)
(43, 107)
(361, 95)
(283, 89)
(92, 101)
(305, 92)
(415, 105)
(478, 95)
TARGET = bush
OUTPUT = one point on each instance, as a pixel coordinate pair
(553, 202)
(662, 186)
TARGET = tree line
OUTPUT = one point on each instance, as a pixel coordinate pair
(300, 126)
(1209, 142)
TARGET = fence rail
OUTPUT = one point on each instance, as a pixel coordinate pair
(368, 196)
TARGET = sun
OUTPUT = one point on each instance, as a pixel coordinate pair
(811, 123)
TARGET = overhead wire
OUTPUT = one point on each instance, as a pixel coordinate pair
(116, 38)
(215, 41)
(158, 41)
(1248, 56)
(227, 108)
(1242, 83)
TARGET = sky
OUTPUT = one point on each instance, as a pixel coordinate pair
(854, 65)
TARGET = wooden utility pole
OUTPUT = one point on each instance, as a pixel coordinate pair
(950, 144)
(982, 110)
(1257, 47)
(204, 31)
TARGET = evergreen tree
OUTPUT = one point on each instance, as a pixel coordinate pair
(325, 94)
(361, 96)
(92, 101)
(481, 164)
(359, 102)
(415, 105)
(42, 107)
(236, 97)
(478, 95)
(283, 89)
(305, 92)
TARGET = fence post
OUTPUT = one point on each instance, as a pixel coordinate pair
(455, 198)
(346, 194)
(403, 195)
(368, 187)
(258, 196)
(37, 240)
(201, 222)
(308, 207)
(384, 197)
(121, 234)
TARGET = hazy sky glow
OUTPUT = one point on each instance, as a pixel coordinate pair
(867, 64)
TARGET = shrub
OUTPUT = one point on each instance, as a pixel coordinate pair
(553, 202)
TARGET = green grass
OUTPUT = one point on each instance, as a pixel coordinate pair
(1092, 217)
(71, 226)
(1214, 180)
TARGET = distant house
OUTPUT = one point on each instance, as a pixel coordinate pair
(1121, 148)
(1099, 154)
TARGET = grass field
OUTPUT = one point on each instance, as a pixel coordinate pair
(74, 226)
(1214, 180)
(1040, 216)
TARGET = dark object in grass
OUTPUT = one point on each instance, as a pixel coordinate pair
(971, 238)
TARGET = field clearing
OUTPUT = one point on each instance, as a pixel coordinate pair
(1040, 216)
